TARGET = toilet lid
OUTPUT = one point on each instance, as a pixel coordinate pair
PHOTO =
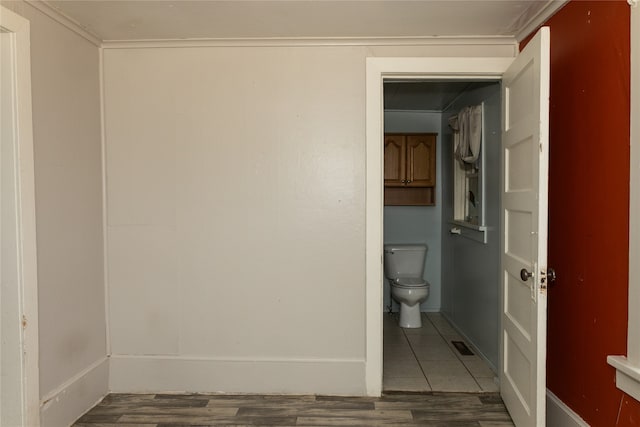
(410, 282)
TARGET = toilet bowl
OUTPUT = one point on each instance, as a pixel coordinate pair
(409, 296)
(404, 267)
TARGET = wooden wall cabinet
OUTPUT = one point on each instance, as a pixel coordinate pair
(409, 169)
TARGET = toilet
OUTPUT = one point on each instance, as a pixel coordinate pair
(403, 267)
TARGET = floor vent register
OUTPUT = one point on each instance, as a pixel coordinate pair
(462, 348)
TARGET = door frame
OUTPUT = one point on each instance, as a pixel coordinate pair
(377, 70)
(19, 27)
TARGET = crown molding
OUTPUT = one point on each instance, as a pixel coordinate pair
(70, 23)
(540, 18)
(309, 41)
(54, 13)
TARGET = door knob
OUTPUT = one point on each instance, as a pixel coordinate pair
(551, 275)
(524, 274)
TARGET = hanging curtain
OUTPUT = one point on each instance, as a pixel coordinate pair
(467, 127)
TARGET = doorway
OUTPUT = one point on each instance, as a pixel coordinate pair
(457, 349)
(379, 69)
(523, 209)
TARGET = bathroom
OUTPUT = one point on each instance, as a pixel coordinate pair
(463, 253)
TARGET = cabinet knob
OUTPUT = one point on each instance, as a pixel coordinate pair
(409, 181)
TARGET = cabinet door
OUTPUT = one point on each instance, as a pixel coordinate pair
(394, 161)
(421, 160)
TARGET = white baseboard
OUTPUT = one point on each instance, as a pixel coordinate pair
(64, 405)
(139, 374)
(560, 415)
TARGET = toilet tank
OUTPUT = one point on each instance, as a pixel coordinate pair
(401, 261)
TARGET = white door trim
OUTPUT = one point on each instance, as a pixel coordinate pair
(26, 223)
(377, 70)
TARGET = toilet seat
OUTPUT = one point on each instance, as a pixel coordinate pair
(410, 282)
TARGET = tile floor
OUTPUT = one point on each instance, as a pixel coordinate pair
(418, 360)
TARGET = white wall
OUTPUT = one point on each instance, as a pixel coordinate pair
(68, 186)
(418, 224)
(470, 269)
(236, 215)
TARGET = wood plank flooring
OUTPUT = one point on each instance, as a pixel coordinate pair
(396, 409)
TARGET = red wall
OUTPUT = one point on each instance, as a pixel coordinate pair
(589, 208)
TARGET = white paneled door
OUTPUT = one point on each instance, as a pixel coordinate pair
(524, 208)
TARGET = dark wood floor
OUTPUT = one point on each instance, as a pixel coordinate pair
(429, 409)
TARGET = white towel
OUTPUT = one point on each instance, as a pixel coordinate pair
(468, 125)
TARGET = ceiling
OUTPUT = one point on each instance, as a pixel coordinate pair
(148, 20)
(426, 95)
(120, 20)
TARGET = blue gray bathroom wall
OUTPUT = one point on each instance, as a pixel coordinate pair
(471, 269)
(418, 224)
